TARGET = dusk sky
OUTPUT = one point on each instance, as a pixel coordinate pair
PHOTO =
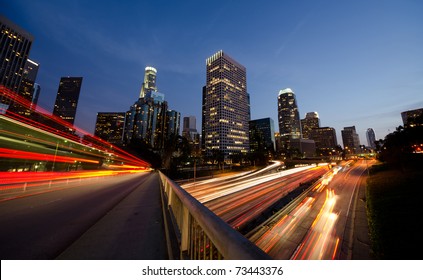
(354, 62)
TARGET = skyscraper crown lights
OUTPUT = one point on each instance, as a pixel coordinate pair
(214, 57)
(149, 68)
(287, 90)
(312, 115)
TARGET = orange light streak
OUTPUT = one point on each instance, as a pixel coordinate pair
(8, 153)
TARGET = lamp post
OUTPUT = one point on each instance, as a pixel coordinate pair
(55, 155)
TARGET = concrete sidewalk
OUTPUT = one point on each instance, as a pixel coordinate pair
(133, 229)
(361, 247)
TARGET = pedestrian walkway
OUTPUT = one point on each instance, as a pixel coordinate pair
(133, 229)
(361, 242)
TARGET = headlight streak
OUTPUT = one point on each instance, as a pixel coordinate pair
(321, 241)
(240, 201)
(270, 242)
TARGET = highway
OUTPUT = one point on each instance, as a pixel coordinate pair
(315, 227)
(59, 224)
(120, 216)
(239, 200)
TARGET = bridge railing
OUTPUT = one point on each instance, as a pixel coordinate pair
(202, 234)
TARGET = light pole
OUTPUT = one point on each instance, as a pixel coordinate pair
(55, 155)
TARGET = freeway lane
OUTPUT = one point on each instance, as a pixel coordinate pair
(352, 228)
(42, 226)
(321, 226)
(241, 199)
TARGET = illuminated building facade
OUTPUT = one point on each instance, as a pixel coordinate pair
(109, 126)
(350, 139)
(27, 88)
(173, 122)
(324, 137)
(310, 122)
(15, 45)
(412, 117)
(149, 119)
(67, 98)
(149, 83)
(288, 118)
(226, 107)
(28, 79)
(146, 120)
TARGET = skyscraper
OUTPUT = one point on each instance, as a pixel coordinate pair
(28, 79)
(310, 122)
(262, 135)
(412, 117)
(173, 122)
(324, 137)
(67, 98)
(148, 118)
(15, 44)
(27, 88)
(226, 107)
(288, 117)
(371, 138)
(189, 130)
(109, 126)
(149, 83)
(350, 139)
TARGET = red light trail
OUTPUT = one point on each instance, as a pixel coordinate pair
(36, 148)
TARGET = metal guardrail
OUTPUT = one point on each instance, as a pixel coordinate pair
(202, 234)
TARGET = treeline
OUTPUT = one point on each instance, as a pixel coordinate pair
(394, 192)
(403, 148)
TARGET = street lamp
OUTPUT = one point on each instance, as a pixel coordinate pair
(55, 154)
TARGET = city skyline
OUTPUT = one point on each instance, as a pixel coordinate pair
(350, 62)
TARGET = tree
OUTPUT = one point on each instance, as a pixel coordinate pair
(176, 150)
(397, 148)
(140, 148)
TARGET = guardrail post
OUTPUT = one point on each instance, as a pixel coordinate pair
(185, 229)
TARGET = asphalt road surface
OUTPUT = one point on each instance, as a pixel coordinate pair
(59, 223)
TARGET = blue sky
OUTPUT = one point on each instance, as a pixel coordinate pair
(354, 62)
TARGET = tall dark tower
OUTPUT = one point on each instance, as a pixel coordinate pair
(288, 117)
(67, 98)
(28, 79)
(310, 122)
(109, 126)
(15, 44)
(371, 138)
(226, 107)
(27, 88)
(350, 139)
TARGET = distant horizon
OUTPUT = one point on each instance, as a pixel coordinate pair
(349, 62)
